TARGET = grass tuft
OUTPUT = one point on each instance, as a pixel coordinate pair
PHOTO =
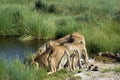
(16, 70)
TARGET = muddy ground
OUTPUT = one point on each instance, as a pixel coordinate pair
(107, 70)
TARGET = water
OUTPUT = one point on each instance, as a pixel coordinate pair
(11, 47)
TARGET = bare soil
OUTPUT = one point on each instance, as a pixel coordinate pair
(106, 71)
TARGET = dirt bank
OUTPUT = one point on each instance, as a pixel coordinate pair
(106, 71)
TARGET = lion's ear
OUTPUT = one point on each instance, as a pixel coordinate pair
(40, 51)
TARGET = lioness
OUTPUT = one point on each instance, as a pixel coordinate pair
(42, 59)
(77, 51)
(54, 59)
(58, 57)
(46, 47)
(74, 37)
(75, 54)
(41, 56)
(84, 53)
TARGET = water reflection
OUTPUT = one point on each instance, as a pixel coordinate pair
(11, 47)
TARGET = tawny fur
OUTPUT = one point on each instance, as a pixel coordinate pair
(74, 37)
(50, 54)
(55, 57)
(77, 51)
(42, 59)
(46, 47)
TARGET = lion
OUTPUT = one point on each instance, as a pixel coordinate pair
(74, 37)
(41, 56)
(77, 51)
(58, 58)
(46, 47)
(75, 54)
(54, 59)
(84, 53)
(41, 59)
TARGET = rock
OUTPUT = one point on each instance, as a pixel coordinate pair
(90, 67)
(95, 68)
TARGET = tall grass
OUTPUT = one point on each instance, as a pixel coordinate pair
(16, 70)
(97, 20)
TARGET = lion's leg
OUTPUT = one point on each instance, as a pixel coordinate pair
(46, 63)
(36, 64)
(79, 59)
(68, 59)
(52, 65)
(80, 64)
(85, 57)
(73, 62)
(62, 62)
